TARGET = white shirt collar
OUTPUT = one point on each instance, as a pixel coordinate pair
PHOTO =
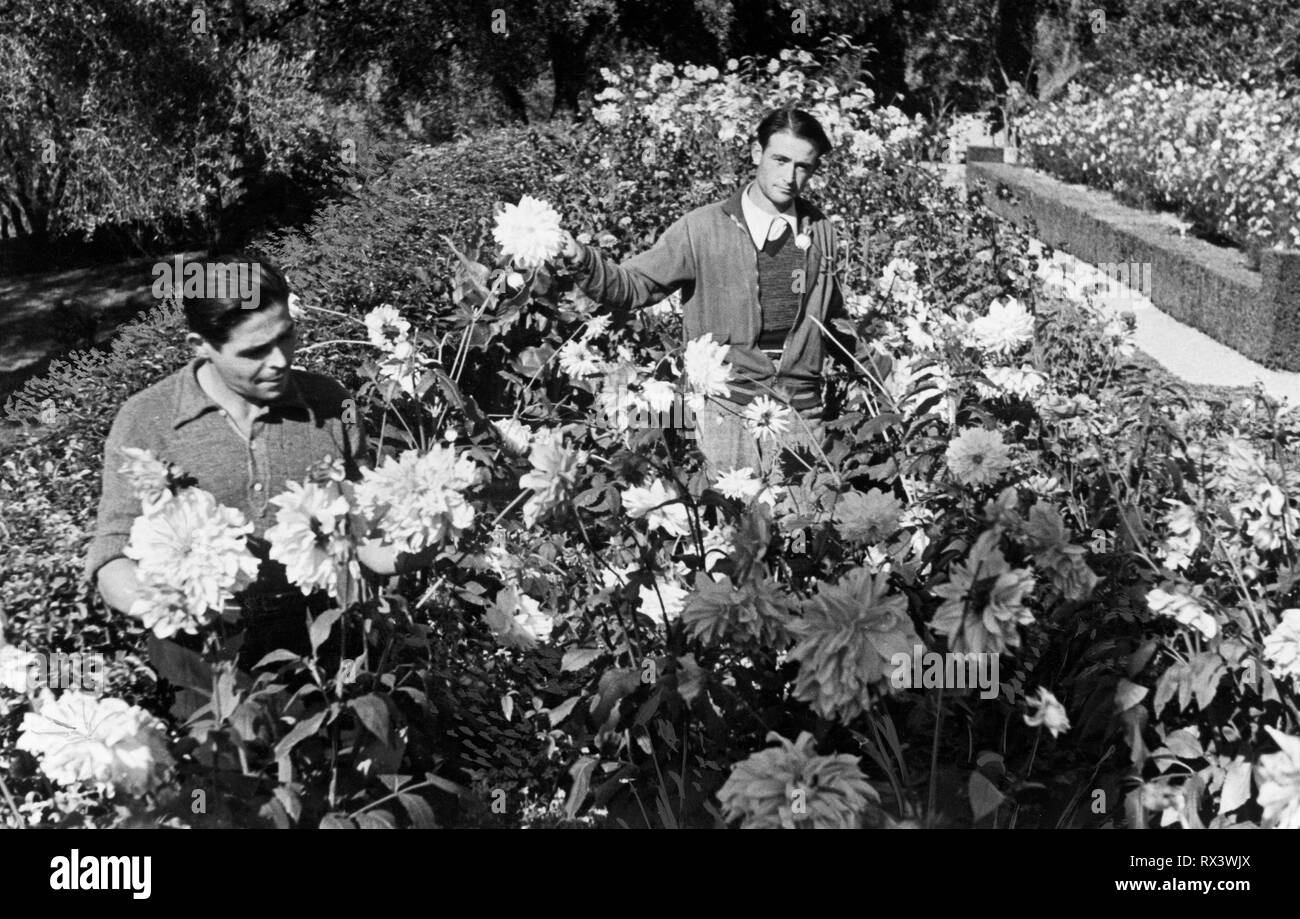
(760, 222)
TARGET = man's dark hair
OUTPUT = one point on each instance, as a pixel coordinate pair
(797, 122)
(215, 318)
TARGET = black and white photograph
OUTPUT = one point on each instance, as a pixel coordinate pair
(625, 415)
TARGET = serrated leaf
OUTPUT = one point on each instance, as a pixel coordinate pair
(577, 658)
(337, 822)
(1207, 670)
(1169, 684)
(581, 773)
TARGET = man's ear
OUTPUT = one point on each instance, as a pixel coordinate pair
(756, 152)
(198, 344)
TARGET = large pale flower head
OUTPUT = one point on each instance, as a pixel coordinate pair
(310, 537)
(528, 232)
(196, 546)
(517, 619)
(151, 479)
(663, 601)
(740, 484)
(578, 360)
(554, 474)
(767, 419)
(1278, 775)
(386, 327)
(707, 373)
(718, 611)
(164, 610)
(848, 636)
(514, 434)
(1282, 646)
(992, 628)
(867, 518)
(419, 500)
(1184, 608)
(1007, 327)
(789, 786)
(403, 365)
(118, 747)
(1046, 711)
(659, 505)
(978, 456)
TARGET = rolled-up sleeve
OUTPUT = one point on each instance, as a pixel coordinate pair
(118, 505)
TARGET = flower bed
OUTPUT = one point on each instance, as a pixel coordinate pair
(607, 635)
(1226, 159)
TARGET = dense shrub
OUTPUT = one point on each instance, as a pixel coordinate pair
(1228, 160)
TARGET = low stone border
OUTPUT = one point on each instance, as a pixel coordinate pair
(1205, 286)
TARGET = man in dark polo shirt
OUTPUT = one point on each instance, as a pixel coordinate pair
(240, 421)
(755, 272)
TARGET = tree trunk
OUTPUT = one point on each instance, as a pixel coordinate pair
(511, 96)
(568, 69)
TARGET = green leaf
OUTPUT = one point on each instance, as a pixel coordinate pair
(279, 655)
(562, 711)
(1207, 671)
(581, 772)
(321, 626)
(372, 711)
(421, 813)
(1183, 744)
(300, 732)
(577, 658)
(289, 801)
(180, 666)
(1236, 786)
(1169, 684)
(336, 822)
(375, 820)
(1128, 694)
(984, 796)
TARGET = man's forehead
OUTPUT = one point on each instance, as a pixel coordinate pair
(261, 328)
(787, 144)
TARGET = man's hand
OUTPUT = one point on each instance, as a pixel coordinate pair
(570, 251)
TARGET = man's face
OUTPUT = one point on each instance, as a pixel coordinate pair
(784, 167)
(254, 363)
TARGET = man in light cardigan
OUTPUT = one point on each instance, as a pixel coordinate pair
(756, 272)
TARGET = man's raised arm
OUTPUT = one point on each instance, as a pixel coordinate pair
(642, 280)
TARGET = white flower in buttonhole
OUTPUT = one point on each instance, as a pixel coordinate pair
(151, 479)
(118, 747)
(528, 232)
(577, 360)
(1278, 777)
(515, 434)
(1184, 608)
(1281, 646)
(553, 476)
(310, 536)
(386, 327)
(645, 502)
(1047, 712)
(977, 456)
(740, 484)
(198, 547)
(517, 620)
(767, 419)
(707, 374)
(1007, 327)
(418, 500)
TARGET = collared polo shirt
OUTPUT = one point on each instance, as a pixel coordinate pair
(181, 424)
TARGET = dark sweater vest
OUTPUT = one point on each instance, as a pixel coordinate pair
(780, 264)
